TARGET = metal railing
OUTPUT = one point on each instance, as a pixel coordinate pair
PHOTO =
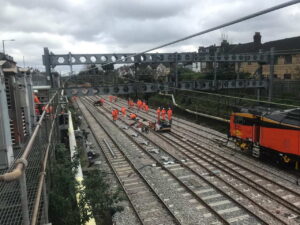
(22, 185)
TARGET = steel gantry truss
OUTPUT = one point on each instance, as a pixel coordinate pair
(204, 85)
(53, 60)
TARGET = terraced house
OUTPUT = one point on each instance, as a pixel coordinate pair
(286, 51)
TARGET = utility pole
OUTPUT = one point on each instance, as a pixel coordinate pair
(4, 45)
(271, 76)
(238, 70)
(259, 72)
(23, 61)
(70, 61)
(176, 71)
(47, 65)
(215, 69)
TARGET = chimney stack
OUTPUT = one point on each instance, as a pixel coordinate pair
(257, 38)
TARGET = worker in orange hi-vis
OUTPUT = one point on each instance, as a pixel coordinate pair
(138, 104)
(123, 110)
(110, 98)
(102, 100)
(117, 113)
(146, 108)
(170, 113)
(113, 113)
(158, 113)
(133, 116)
(163, 114)
(36, 99)
(38, 106)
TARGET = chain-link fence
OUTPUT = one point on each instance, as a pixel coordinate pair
(20, 185)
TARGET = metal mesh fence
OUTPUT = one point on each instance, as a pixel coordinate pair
(10, 197)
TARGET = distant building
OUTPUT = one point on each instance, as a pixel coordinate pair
(162, 71)
(287, 56)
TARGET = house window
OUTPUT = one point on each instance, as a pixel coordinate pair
(288, 59)
(287, 76)
(275, 76)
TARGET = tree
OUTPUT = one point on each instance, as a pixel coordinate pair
(98, 197)
(63, 207)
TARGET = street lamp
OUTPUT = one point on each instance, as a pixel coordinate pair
(3, 44)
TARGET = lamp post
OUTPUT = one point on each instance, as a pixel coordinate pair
(4, 46)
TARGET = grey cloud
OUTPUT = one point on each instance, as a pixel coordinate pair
(134, 25)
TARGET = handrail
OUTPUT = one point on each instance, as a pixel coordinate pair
(22, 161)
(42, 175)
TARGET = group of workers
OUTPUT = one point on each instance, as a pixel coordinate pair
(141, 105)
(161, 114)
(39, 107)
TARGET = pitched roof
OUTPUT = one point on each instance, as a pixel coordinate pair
(282, 44)
(245, 48)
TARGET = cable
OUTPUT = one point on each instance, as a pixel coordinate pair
(233, 97)
(250, 16)
(262, 12)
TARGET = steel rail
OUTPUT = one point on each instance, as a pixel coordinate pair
(111, 151)
(289, 206)
(180, 128)
(112, 168)
(174, 176)
(22, 161)
(171, 142)
(194, 172)
(251, 183)
(217, 188)
(132, 165)
(192, 143)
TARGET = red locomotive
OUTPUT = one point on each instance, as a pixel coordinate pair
(276, 134)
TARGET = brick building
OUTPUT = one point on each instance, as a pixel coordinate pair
(287, 56)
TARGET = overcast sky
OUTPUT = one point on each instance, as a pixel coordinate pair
(112, 26)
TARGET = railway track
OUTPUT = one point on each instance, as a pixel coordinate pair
(136, 187)
(280, 201)
(176, 179)
(210, 193)
(287, 211)
(219, 142)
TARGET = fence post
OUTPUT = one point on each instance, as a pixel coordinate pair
(271, 74)
(24, 199)
(45, 202)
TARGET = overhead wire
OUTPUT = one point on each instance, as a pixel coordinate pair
(234, 97)
(250, 16)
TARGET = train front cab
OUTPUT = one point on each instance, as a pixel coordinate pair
(244, 130)
(280, 141)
